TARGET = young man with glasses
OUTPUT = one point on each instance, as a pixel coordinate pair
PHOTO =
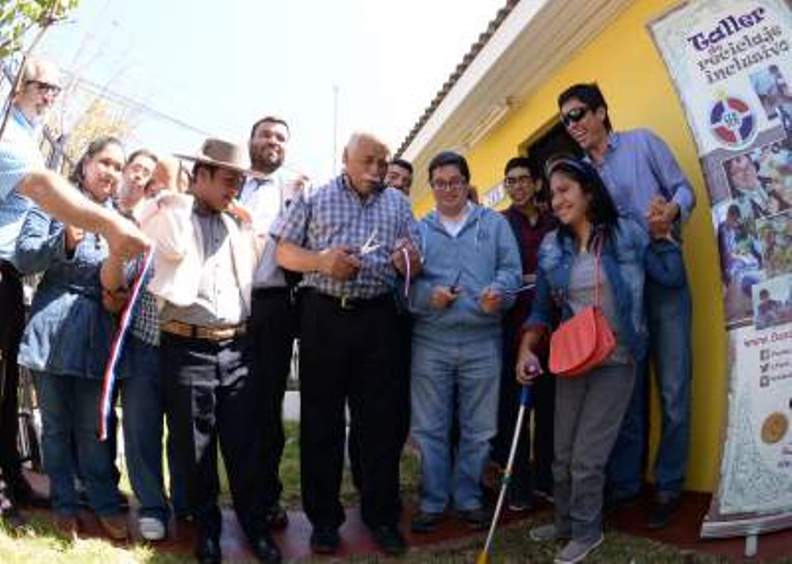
(647, 185)
(470, 275)
(24, 181)
(529, 223)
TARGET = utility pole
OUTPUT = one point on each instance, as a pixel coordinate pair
(335, 129)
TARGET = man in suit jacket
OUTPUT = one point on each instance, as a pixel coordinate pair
(205, 258)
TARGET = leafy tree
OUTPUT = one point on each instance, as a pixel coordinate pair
(19, 16)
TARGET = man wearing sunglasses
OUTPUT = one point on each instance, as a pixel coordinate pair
(647, 185)
(24, 181)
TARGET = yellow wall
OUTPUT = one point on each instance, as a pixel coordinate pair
(624, 62)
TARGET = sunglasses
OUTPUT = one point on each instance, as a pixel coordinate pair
(574, 115)
(45, 87)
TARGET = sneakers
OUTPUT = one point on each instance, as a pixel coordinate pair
(661, 511)
(389, 539)
(115, 526)
(576, 550)
(325, 540)
(425, 522)
(151, 528)
(549, 532)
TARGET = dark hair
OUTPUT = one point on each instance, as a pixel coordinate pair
(77, 175)
(406, 165)
(446, 158)
(734, 209)
(141, 153)
(601, 211)
(269, 119)
(202, 165)
(519, 162)
(590, 95)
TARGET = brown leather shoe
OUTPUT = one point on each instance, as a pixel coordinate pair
(67, 526)
(115, 526)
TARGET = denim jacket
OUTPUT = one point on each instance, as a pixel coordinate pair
(626, 258)
(69, 330)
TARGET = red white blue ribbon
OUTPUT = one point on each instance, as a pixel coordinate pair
(108, 380)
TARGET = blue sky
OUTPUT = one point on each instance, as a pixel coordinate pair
(219, 66)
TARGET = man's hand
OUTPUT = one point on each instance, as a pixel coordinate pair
(490, 300)
(72, 236)
(240, 212)
(661, 216)
(339, 263)
(114, 301)
(397, 258)
(125, 239)
(442, 297)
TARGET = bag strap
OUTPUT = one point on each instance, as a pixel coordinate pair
(597, 255)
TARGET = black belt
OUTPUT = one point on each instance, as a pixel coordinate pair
(8, 269)
(348, 303)
(270, 291)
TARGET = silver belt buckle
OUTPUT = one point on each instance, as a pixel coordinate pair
(346, 303)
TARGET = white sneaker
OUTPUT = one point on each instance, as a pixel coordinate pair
(576, 551)
(151, 528)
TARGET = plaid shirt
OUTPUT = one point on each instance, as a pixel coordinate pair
(145, 318)
(335, 215)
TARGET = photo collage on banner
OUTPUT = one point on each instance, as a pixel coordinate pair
(731, 64)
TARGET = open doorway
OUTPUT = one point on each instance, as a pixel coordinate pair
(554, 140)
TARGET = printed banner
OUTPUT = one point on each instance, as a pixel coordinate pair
(731, 63)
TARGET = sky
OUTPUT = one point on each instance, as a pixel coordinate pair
(219, 66)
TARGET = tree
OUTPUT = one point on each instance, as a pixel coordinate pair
(17, 17)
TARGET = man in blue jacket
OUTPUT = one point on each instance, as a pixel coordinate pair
(471, 270)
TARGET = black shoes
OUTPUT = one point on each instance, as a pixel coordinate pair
(389, 539)
(207, 550)
(425, 522)
(476, 519)
(661, 511)
(265, 548)
(325, 540)
(276, 517)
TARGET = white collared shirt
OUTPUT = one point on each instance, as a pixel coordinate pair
(266, 198)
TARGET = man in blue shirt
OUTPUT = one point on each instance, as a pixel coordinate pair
(648, 186)
(24, 181)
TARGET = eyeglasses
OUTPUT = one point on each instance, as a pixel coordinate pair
(512, 181)
(443, 186)
(574, 115)
(45, 87)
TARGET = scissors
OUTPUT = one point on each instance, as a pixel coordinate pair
(371, 244)
(523, 288)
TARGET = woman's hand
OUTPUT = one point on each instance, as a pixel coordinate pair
(528, 367)
(114, 301)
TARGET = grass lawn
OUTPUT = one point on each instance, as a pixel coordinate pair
(42, 545)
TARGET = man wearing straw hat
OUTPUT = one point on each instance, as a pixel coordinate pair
(206, 254)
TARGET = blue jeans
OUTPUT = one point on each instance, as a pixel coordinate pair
(475, 369)
(69, 413)
(669, 317)
(142, 403)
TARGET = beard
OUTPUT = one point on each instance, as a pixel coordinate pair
(265, 161)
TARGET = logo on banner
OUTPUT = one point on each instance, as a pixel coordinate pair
(733, 122)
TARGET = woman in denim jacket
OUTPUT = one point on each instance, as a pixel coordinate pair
(66, 344)
(590, 407)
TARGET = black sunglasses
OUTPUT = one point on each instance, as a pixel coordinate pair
(574, 115)
(45, 87)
